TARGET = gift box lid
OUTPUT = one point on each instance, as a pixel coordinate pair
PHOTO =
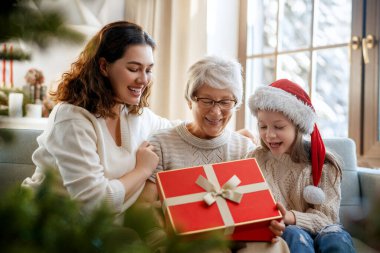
(184, 199)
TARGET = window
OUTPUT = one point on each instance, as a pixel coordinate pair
(309, 42)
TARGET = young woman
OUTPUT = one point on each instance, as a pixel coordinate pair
(302, 176)
(96, 132)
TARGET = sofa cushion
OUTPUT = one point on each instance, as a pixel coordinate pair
(345, 149)
(16, 155)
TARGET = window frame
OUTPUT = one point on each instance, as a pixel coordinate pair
(364, 85)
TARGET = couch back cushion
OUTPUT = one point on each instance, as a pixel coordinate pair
(16, 156)
(345, 149)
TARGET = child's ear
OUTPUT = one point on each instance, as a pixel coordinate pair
(103, 66)
(190, 104)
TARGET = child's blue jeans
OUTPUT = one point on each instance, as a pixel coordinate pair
(330, 239)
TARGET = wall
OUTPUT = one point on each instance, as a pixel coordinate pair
(223, 31)
(223, 27)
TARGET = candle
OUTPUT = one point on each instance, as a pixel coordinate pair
(11, 65)
(4, 62)
(15, 104)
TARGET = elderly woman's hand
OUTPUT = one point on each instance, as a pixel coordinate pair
(245, 132)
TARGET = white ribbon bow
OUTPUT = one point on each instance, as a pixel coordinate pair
(214, 191)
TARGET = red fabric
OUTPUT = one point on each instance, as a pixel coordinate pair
(294, 89)
(318, 154)
(251, 215)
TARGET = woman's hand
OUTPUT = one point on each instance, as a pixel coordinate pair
(146, 163)
(146, 159)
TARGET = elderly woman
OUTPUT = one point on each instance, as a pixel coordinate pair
(214, 91)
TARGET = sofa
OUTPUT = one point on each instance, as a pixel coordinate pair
(16, 155)
(358, 184)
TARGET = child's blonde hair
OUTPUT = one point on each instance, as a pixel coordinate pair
(300, 152)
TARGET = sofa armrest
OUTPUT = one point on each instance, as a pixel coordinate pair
(369, 180)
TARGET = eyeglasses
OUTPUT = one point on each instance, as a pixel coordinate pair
(208, 103)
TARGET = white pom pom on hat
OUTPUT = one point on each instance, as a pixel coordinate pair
(313, 195)
(290, 99)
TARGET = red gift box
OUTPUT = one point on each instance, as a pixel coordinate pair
(232, 196)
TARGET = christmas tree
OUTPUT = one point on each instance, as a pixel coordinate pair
(27, 21)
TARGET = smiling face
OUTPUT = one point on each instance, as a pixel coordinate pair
(209, 122)
(277, 131)
(130, 75)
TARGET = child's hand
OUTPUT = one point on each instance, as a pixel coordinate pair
(277, 227)
(288, 216)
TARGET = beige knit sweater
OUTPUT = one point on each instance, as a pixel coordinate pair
(287, 181)
(178, 148)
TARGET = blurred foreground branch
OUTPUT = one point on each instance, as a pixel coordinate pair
(49, 221)
(27, 21)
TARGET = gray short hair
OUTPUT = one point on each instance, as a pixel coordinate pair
(216, 72)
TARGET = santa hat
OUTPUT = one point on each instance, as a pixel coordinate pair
(290, 99)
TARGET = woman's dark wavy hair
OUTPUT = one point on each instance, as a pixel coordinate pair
(84, 85)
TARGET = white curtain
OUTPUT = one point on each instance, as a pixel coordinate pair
(180, 30)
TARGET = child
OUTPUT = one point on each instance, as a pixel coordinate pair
(304, 179)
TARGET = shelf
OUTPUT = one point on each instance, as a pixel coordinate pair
(23, 123)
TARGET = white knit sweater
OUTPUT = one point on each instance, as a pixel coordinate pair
(80, 147)
(287, 181)
(178, 148)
